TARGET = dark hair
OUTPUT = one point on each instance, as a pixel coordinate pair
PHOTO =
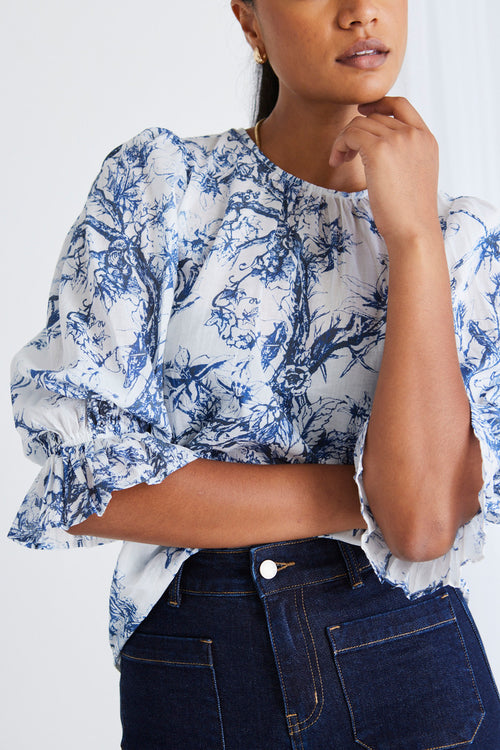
(267, 88)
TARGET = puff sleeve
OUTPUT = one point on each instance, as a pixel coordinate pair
(471, 230)
(88, 390)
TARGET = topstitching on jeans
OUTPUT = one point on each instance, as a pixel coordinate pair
(395, 637)
(465, 609)
(469, 666)
(303, 584)
(451, 620)
(303, 724)
(352, 565)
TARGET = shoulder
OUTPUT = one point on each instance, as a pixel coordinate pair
(158, 153)
(471, 229)
(467, 216)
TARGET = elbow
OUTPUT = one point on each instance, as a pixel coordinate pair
(422, 533)
(431, 537)
(422, 525)
(421, 544)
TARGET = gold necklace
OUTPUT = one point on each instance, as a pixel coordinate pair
(257, 133)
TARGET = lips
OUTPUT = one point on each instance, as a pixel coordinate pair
(365, 53)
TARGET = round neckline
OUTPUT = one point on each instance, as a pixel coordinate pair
(291, 178)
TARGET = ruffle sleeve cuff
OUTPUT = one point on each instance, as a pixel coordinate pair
(77, 480)
(418, 578)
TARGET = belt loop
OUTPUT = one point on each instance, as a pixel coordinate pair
(174, 589)
(351, 564)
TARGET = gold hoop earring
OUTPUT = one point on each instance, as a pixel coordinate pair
(259, 58)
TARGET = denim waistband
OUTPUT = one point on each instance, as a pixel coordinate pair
(269, 568)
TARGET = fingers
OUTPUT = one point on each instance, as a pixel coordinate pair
(377, 120)
(376, 124)
(351, 141)
(341, 157)
(358, 134)
(386, 121)
(397, 107)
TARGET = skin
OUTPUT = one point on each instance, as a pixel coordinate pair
(334, 126)
(318, 96)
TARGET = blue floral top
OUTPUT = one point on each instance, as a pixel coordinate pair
(209, 304)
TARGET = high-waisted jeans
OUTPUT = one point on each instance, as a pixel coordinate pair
(298, 645)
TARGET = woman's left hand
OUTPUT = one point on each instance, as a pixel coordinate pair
(420, 416)
(401, 162)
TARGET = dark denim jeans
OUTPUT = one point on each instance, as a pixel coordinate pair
(319, 654)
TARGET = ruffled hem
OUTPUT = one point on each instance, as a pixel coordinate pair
(78, 481)
(419, 578)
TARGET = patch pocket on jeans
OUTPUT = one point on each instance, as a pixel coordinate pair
(169, 695)
(407, 679)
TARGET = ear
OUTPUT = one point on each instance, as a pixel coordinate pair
(247, 19)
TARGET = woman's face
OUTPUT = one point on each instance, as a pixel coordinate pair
(310, 45)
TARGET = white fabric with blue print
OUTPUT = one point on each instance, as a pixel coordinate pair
(209, 304)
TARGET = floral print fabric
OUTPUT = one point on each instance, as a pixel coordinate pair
(208, 304)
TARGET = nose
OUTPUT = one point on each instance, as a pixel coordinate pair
(357, 13)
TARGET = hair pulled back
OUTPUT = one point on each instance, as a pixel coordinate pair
(267, 87)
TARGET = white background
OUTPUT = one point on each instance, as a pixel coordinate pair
(80, 78)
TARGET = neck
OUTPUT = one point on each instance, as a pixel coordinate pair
(299, 139)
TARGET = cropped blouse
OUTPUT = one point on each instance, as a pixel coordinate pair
(207, 304)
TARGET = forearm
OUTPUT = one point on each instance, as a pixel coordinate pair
(216, 504)
(422, 465)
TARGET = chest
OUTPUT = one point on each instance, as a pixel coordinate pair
(285, 300)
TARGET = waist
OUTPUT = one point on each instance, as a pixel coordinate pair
(269, 568)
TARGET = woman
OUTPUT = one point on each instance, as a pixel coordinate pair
(227, 368)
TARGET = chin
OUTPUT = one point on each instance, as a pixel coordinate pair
(368, 99)
(367, 90)
(366, 95)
